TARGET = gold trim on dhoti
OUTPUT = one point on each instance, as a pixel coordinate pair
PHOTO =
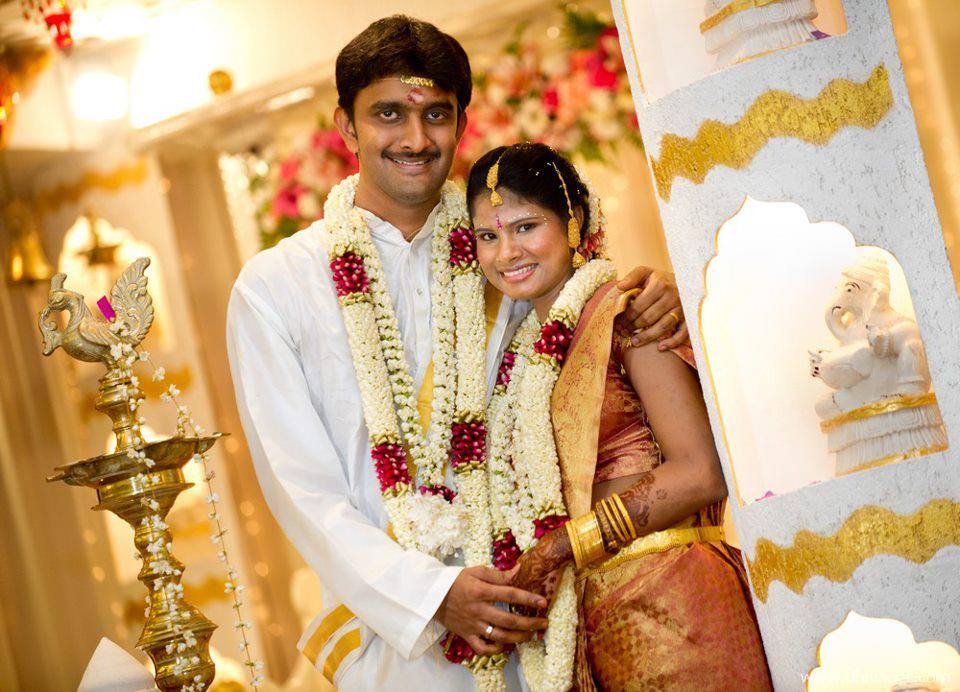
(897, 403)
(657, 542)
(348, 643)
(332, 621)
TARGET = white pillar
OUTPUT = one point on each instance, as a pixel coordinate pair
(827, 126)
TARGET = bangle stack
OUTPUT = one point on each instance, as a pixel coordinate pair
(585, 539)
(601, 532)
(618, 519)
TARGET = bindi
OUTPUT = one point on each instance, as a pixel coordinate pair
(499, 223)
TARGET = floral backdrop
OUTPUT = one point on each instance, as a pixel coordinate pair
(571, 94)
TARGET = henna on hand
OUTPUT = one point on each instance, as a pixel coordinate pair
(540, 568)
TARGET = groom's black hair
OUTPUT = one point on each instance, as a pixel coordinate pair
(527, 170)
(401, 45)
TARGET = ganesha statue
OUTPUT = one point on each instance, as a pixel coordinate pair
(736, 31)
(881, 407)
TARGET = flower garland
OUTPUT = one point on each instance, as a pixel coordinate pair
(523, 469)
(436, 519)
(433, 520)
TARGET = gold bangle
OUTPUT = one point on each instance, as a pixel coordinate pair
(608, 532)
(606, 512)
(588, 538)
(622, 523)
(624, 515)
(574, 543)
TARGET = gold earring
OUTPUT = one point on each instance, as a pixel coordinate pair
(573, 226)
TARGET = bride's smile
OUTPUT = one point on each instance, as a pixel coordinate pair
(522, 248)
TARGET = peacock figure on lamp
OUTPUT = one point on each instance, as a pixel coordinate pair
(140, 481)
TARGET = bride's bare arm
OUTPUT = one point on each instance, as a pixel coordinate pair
(690, 477)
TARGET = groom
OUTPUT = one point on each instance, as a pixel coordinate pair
(403, 88)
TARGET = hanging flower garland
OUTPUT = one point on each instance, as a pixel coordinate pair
(431, 520)
(434, 518)
(125, 357)
(524, 472)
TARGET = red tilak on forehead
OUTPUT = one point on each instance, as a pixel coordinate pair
(499, 223)
(415, 95)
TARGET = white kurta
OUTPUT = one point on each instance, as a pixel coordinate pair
(300, 406)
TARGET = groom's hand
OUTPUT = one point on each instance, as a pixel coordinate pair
(655, 314)
(468, 609)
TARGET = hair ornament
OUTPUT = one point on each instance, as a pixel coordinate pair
(417, 81)
(573, 226)
(493, 176)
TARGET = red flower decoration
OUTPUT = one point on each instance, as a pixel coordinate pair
(463, 247)
(390, 462)
(468, 443)
(550, 100)
(285, 202)
(456, 649)
(505, 552)
(554, 340)
(600, 75)
(506, 367)
(447, 493)
(349, 276)
(541, 527)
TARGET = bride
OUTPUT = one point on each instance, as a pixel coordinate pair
(605, 482)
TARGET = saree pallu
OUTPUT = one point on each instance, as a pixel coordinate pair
(680, 619)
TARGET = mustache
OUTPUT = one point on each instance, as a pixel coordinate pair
(428, 155)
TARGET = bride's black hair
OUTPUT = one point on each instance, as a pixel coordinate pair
(526, 170)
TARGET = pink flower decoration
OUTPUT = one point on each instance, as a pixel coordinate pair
(506, 367)
(289, 168)
(541, 527)
(456, 649)
(554, 340)
(505, 552)
(447, 493)
(550, 100)
(463, 247)
(600, 77)
(390, 462)
(468, 443)
(285, 202)
(349, 275)
(330, 141)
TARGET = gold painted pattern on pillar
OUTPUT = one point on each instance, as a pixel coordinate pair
(775, 113)
(869, 531)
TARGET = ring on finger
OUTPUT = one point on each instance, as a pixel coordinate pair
(488, 631)
(676, 320)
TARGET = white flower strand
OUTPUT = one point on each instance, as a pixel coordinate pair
(349, 230)
(125, 357)
(424, 522)
(386, 386)
(185, 421)
(511, 505)
(522, 433)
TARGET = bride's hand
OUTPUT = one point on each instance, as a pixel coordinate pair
(540, 568)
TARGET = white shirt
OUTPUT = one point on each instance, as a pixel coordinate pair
(300, 406)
